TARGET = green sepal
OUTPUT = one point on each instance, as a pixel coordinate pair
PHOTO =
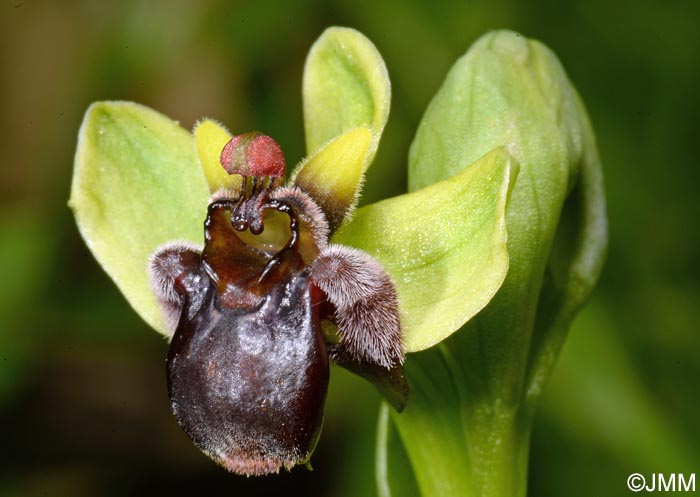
(210, 138)
(136, 185)
(444, 246)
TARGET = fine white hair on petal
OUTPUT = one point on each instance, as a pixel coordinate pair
(365, 301)
(252, 454)
(310, 214)
(224, 194)
(165, 265)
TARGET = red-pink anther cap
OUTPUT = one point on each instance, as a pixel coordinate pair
(253, 154)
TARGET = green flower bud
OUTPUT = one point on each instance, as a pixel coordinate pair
(482, 382)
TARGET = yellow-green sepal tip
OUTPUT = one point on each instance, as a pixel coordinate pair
(210, 138)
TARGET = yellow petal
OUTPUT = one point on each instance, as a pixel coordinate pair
(210, 138)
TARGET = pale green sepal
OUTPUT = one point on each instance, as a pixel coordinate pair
(136, 185)
(210, 138)
(345, 86)
(444, 246)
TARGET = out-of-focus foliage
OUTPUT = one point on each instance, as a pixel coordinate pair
(80, 373)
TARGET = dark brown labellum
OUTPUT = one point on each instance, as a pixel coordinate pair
(247, 374)
(247, 367)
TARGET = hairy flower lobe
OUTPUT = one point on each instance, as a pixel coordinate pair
(248, 363)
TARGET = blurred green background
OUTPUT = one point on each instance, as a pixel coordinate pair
(83, 406)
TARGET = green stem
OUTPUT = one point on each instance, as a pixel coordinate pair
(499, 446)
(456, 441)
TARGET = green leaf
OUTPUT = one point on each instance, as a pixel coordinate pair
(444, 246)
(210, 138)
(332, 176)
(136, 185)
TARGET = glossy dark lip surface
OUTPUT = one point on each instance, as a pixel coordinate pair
(249, 387)
(248, 369)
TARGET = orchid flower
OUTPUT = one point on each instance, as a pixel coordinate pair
(258, 282)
